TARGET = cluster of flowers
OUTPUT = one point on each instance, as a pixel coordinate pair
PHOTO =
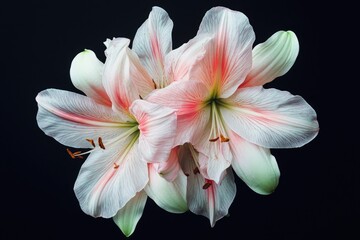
(174, 125)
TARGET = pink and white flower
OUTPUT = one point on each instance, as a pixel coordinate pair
(128, 136)
(226, 113)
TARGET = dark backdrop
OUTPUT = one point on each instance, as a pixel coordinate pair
(317, 194)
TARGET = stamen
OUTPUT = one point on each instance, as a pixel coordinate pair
(75, 154)
(154, 83)
(224, 139)
(186, 174)
(116, 166)
(101, 144)
(91, 142)
(213, 139)
(196, 170)
(70, 153)
(207, 185)
(140, 97)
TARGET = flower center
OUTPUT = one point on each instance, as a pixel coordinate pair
(218, 130)
(130, 130)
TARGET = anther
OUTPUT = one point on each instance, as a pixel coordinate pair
(140, 97)
(223, 139)
(116, 166)
(186, 174)
(154, 83)
(91, 142)
(206, 185)
(75, 154)
(196, 170)
(101, 144)
(213, 139)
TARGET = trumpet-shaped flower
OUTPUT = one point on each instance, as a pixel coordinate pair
(126, 134)
(224, 110)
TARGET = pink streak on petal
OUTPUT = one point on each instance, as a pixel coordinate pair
(210, 192)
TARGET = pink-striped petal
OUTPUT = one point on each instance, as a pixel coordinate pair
(124, 79)
(157, 125)
(86, 74)
(186, 98)
(205, 197)
(110, 177)
(152, 42)
(270, 118)
(180, 61)
(72, 118)
(171, 167)
(228, 58)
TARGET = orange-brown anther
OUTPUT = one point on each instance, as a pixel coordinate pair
(75, 154)
(213, 139)
(223, 139)
(206, 185)
(91, 142)
(116, 166)
(155, 87)
(101, 144)
(70, 153)
(196, 170)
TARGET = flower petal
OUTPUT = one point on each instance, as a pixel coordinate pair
(180, 61)
(157, 126)
(125, 80)
(228, 58)
(254, 165)
(109, 178)
(270, 118)
(153, 41)
(86, 75)
(170, 196)
(186, 98)
(171, 167)
(272, 58)
(72, 118)
(128, 216)
(204, 196)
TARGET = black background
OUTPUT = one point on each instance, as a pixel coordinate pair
(318, 191)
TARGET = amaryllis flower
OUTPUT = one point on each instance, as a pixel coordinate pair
(226, 113)
(128, 136)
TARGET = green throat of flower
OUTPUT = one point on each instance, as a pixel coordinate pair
(130, 134)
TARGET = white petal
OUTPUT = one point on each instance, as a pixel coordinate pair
(153, 41)
(180, 61)
(128, 217)
(171, 167)
(270, 118)
(229, 56)
(86, 75)
(273, 58)
(157, 126)
(254, 165)
(205, 197)
(125, 80)
(186, 97)
(170, 196)
(71, 118)
(110, 178)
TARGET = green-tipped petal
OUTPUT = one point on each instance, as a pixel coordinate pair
(273, 58)
(86, 75)
(128, 217)
(170, 196)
